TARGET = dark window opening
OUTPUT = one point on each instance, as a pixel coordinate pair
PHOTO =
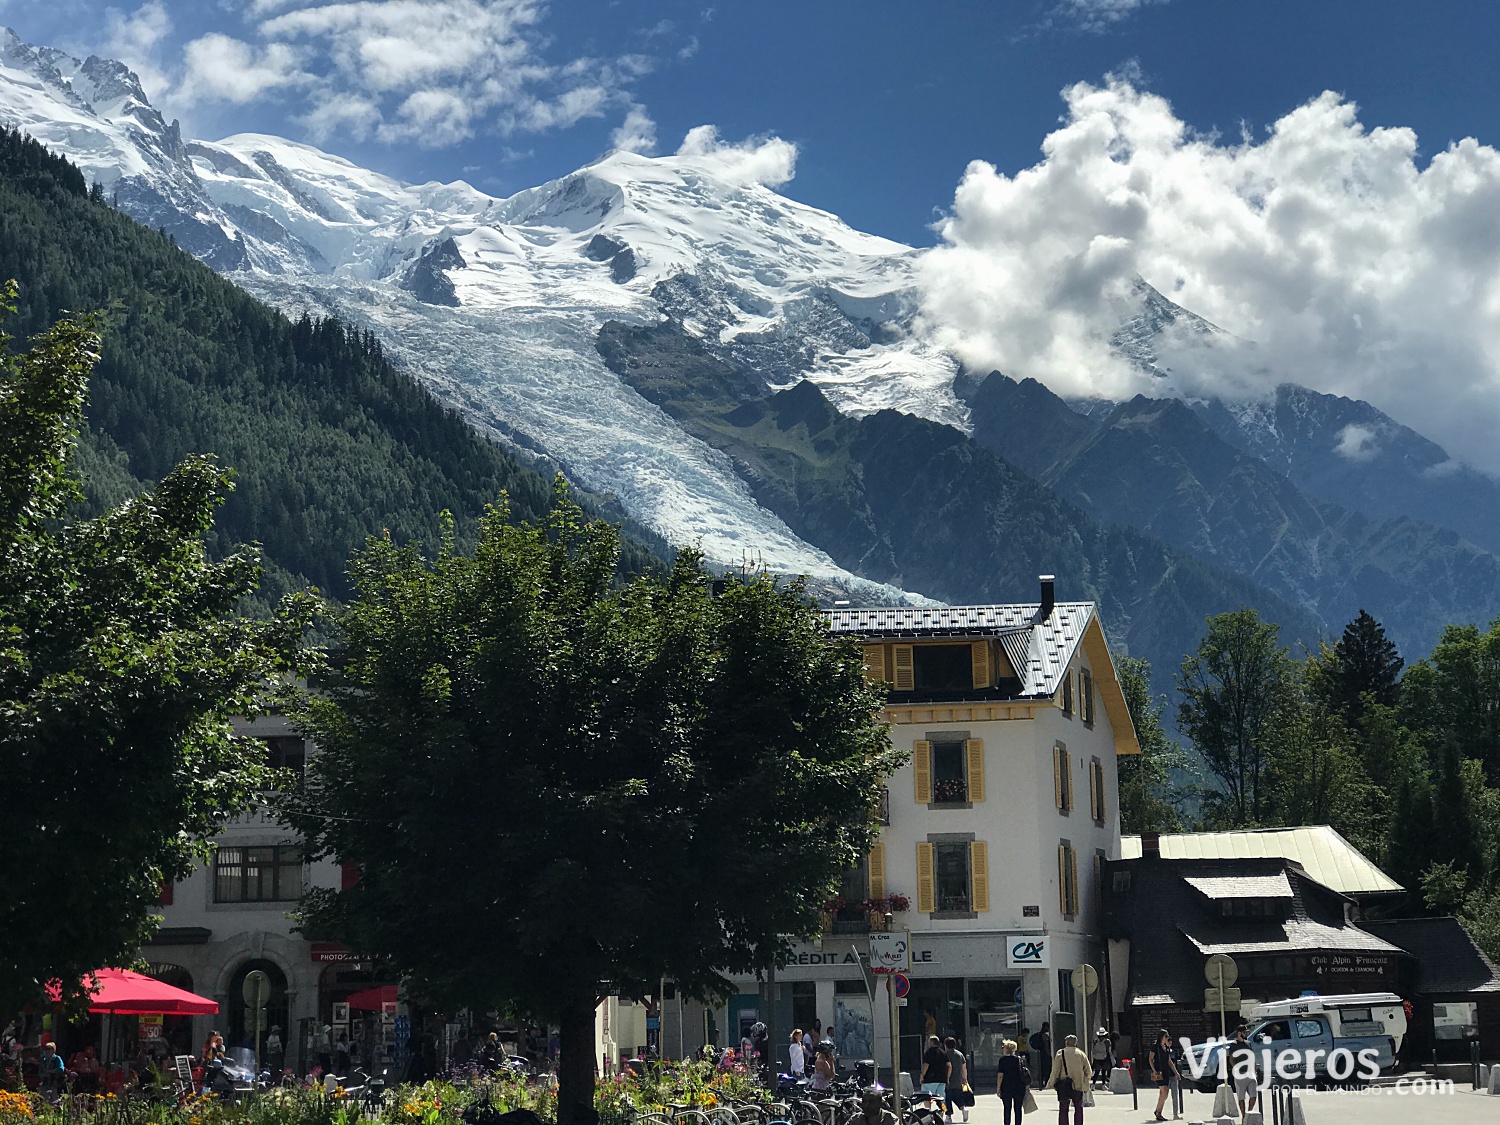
(851, 917)
(949, 777)
(942, 668)
(286, 753)
(263, 874)
(952, 863)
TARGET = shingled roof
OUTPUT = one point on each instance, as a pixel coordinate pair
(1322, 852)
(1447, 959)
(1038, 651)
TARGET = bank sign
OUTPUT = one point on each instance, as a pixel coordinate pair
(1028, 951)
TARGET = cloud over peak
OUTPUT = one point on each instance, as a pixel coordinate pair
(1352, 267)
(755, 160)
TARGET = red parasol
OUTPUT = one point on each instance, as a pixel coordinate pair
(130, 994)
(372, 999)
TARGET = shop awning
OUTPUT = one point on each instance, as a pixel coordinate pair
(373, 999)
(130, 994)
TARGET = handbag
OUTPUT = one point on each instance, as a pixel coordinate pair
(1064, 1085)
(1029, 1105)
(965, 1097)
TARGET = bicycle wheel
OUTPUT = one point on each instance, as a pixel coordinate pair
(690, 1116)
(723, 1115)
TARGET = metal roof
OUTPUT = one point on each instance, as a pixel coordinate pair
(1241, 886)
(1447, 959)
(1039, 652)
(1323, 853)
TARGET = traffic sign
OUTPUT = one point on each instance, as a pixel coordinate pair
(1221, 1000)
(1220, 970)
(902, 984)
(888, 952)
(1085, 979)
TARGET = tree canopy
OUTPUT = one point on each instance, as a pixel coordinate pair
(120, 666)
(554, 784)
(1150, 798)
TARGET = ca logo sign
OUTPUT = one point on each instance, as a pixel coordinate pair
(1027, 952)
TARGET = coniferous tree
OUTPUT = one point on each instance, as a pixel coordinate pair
(1365, 662)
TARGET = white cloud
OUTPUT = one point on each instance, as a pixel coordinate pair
(1097, 15)
(637, 133)
(1353, 268)
(688, 49)
(432, 71)
(226, 69)
(1356, 442)
(763, 160)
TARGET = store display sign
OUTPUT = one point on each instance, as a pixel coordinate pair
(1028, 951)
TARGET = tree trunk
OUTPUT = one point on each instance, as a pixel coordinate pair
(575, 1063)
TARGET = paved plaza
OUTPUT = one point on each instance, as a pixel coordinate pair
(1384, 1106)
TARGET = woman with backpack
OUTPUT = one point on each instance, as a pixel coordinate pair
(1013, 1083)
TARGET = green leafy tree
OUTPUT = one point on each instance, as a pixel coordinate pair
(1455, 694)
(1231, 688)
(554, 785)
(1316, 776)
(120, 667)
(1150, 800)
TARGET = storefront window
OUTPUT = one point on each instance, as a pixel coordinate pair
(994, 1016)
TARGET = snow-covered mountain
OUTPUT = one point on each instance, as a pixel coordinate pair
(497, 302)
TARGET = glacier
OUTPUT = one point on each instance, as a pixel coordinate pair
(496, 303)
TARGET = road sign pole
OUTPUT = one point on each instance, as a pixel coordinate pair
(1223, 1034)
(890, 988)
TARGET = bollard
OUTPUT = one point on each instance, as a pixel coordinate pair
(1223, 1101)
(1255, 1117)
(1494, 1086)
(1119, 1081)
(1225, 1119)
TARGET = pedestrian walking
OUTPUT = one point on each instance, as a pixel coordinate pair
(1013, 1083)
(1241, 1062)
(957, 1092)
(1164, 1070)
(796, 1056)
(1102, 1058)
(1041, 1043)
(1070, 1079)
(935, 1068)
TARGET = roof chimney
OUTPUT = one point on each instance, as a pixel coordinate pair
(1049, 596)
(1151, 845)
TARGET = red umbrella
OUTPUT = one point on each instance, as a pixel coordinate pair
(130, 994)
(372, 999)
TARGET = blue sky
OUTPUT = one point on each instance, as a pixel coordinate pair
(1295, 171)
(887, 101)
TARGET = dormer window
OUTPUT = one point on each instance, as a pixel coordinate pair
(1249, 908)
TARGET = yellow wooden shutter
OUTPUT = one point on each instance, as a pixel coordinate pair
(926, 880)
(1101, 804)
(979, 876)
(876, 868)
(875, 663)
(1062, 878)
(1073, 880)
(979, 664)
(974, 764)
(1094, 791)
(921, 770)
(1067, 779)
(1059, 777)
(904, 677)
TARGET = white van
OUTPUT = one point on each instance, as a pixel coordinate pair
(1356, 1015)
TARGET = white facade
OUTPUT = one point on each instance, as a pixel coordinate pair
(207, 940)
(1037, 761)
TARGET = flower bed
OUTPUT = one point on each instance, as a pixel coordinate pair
(618, 1100)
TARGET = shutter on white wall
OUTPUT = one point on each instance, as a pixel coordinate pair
(926, 880)
(876, 868)
(921, 771)
(979, 664)
(979, 876)
(974, 765)
(875, 663)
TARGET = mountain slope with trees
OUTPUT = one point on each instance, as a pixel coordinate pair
(328, 442)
